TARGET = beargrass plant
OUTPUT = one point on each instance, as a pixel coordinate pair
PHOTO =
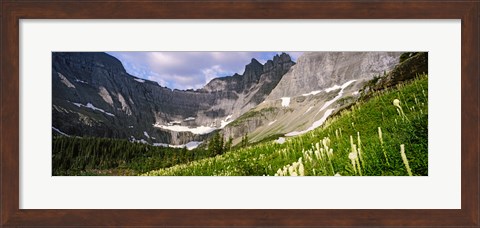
(333, 149)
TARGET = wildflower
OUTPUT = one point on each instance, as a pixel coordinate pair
(360, 148)
(290, 170)
(294, 174)
(301, 170)
(396, 103)
(380, 135)
(353, 157)
(405, 160)
(317, 154)
(338, 175)
(330, 152)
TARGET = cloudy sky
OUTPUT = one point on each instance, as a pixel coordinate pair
(189, 70)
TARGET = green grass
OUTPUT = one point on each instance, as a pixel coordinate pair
(253, 114)
(356, 128)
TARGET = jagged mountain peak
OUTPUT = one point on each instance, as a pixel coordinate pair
(94, 96)
(251, 76)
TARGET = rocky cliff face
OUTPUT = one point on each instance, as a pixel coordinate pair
(93, 95)
(319, 85)
(319, 70)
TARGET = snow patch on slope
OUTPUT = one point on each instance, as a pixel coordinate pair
(309, 108)
(190, 145)
(315, 124)
(201, 130)
(78, 80)
(91, 106)
(225, 122)
(328, 103)
(311, 93)
(60, 132)
(285, 101)
(139, 80)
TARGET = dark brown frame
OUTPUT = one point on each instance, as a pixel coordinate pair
(12, 11)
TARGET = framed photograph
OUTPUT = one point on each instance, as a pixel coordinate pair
(247, 113)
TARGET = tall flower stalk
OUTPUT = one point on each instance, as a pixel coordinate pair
(380, 136)
(405, 160)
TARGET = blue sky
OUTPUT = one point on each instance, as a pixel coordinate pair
(189, 70)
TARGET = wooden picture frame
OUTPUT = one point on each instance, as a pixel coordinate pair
(13, 11)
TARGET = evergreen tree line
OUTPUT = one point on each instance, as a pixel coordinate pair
(217, 144)
(72, 155)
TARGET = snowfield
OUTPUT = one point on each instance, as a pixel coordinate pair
(225, 122)
(315, 124)
(311, 93)
(190, 145)
(60, 132)
(139, 80)
(201, 130)
(78, 80)
(91, 106)
(328, 103)
(285, 101)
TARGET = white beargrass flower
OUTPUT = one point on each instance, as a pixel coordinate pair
(301, 170)
(290, 170)
(294, 174)
(380, 135)
(359, 146)
(396, 103)
(352, 156)
(326, 142)
(338, 175)
(405, 160)
(330, 152)
(317, 154)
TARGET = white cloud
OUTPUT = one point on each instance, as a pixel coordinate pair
(185, 70)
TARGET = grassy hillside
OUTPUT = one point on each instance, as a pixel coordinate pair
(384, 135)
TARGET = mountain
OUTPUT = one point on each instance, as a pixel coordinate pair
(318, 86)
(93, 95)
(320, 70)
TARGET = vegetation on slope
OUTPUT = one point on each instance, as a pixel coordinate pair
(104, 156)
(384, 135)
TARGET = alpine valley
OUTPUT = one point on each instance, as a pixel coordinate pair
(94, 98)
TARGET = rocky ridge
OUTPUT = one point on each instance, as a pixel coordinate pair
(93, 95)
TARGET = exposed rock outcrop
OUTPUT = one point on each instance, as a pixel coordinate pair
(320, 70)
(101, 99)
